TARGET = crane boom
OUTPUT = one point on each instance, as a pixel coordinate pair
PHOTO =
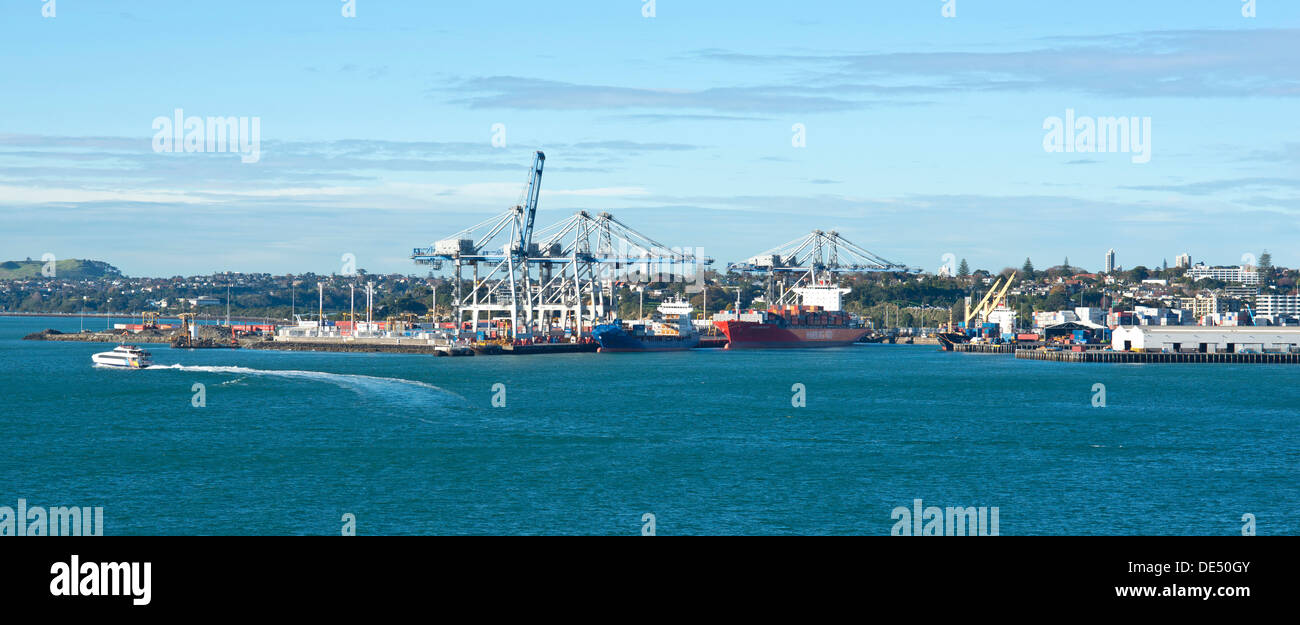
(975, 313)
(1002, 295)
(530, 203)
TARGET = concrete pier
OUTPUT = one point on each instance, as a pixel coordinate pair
(986, 348)
(1105, 355)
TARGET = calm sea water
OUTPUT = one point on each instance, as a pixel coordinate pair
(707, 441)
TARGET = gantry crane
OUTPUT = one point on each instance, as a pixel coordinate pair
(812, 261)
(569, 268)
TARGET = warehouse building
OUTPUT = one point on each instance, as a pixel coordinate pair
(1207, 339)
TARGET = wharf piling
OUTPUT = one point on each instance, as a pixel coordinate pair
(987, 348)
(1159, 357)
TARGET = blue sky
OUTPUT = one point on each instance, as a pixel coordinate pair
(924, 134)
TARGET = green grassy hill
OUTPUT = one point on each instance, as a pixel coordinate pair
(72, 269)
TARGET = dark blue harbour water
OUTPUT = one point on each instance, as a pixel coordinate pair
(707, 441)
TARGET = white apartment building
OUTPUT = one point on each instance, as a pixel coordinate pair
(1277, 305)
(1200, 271)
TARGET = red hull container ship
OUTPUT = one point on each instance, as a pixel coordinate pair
(792, 326)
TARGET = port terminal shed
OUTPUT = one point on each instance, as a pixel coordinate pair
(1074, 330)
(1207, 339)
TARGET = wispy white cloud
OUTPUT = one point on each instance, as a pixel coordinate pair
(515, 92)
(1191, 63)
(1180, 63)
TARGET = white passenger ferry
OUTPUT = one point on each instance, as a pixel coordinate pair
(123, 357)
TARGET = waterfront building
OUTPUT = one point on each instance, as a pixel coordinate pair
(1241, 292)
(1209, 304)
(1207, 339)
(1241, 275)
(1278, 305)
(1075, 332)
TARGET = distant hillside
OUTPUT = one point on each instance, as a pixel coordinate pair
(71, 268)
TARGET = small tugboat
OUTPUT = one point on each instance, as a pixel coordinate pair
(123, 357)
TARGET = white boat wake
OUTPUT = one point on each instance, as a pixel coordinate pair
(351, 381)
